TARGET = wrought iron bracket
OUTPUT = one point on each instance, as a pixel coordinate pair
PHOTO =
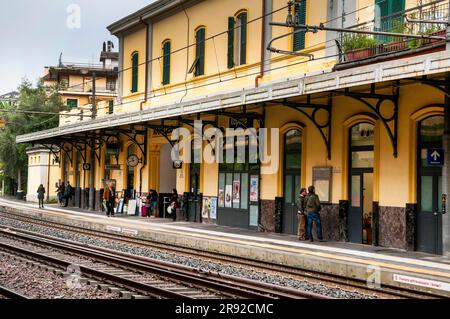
(132, 136)
(311, 111)
(389, 122)
(68, 151)
(441, 85)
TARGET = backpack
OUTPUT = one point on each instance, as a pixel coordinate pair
(311, 203)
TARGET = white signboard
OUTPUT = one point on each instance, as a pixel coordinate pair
(433, 284)
(132, 203)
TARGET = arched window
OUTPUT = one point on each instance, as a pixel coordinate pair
(166, 47)
(199, 63)
(237, 39)
(134, 72)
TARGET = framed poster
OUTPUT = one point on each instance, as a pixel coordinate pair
(119, 207)
(228, 195)
(236, 192)
(254, 181)
(213, 209)
(206, 207)
(322, 178)
(221, 198)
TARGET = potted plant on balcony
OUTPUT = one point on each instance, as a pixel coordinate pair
(358, 46)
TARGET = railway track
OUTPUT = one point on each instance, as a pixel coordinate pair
(10, 294)
(139, 274)
(332, 281)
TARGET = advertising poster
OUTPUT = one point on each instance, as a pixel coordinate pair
(221, 198)
(254, 189)
(228, 195)
(206, 207)
(213, 210)
(236, 192)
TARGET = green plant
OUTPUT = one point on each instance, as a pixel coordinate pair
(357, 41)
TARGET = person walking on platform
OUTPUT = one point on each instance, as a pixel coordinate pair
(109, 197)
(154, 204)
(60, 192)
(41, 192)
(313, 208)
(67, 194)
(174, 204)
(301, 229)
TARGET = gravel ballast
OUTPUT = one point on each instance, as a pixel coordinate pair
(197, 263)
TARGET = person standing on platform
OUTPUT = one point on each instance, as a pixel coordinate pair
(67, 194)
(154, 203)
(313, 208)
(301, 203)
(174, 204)
(60, 192)
(109, 196)
(41, 192)
(148, 203)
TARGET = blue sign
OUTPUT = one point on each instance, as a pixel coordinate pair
(435, 157)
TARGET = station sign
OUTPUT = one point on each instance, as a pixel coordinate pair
(113, 167)
(435, 157)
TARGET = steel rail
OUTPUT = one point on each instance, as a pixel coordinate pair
(219, 257)
(232, 286)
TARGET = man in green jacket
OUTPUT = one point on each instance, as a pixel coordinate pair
(313, 208)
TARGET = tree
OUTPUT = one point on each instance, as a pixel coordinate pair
(13, 158)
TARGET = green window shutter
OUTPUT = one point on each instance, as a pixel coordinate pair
(134, 72)
(71, 104)
(200, 52)
(111, 107)
(299, 38)
(230, 42)
(243, 18)
(166, 64)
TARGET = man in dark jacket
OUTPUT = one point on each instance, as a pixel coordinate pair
(41, 192)
(68, 194)
(313, 208)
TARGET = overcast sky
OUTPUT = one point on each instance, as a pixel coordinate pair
(34, 32)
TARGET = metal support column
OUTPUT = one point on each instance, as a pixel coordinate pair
(446, 168)
(92, 178)
(446, 173)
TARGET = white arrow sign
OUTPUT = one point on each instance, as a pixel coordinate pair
(435, 155)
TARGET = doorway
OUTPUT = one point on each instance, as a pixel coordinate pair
(429, 186)
(130, 175)
(361, 164)
(292, 180)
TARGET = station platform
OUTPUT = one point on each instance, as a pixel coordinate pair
(387, 266)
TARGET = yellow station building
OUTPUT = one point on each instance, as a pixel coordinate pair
(360, 116)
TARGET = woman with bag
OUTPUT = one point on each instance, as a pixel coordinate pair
(174, 204)
(301, 205)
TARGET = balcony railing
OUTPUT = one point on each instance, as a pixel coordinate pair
(355, 47)
(87, 88)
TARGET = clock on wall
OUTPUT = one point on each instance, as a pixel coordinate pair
(132, 160)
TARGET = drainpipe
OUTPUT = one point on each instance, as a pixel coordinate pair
(266, 35)
(147, 55)
(144, 160)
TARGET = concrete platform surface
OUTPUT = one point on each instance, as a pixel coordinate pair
(393, 267)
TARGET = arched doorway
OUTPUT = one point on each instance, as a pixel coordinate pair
(429, 185)
(361, 163)
(292, 179)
